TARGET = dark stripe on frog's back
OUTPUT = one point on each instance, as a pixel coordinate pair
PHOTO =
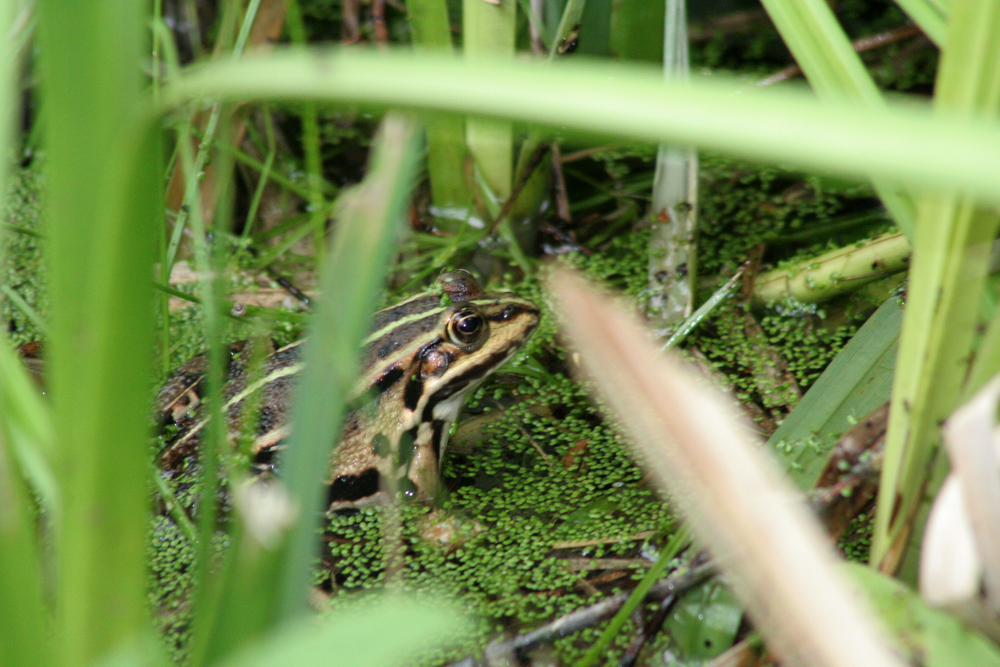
(236, 376)
(396, 337)
(276, 396)
(188, 377)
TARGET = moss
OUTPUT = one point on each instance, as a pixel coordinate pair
(807, 350)
(622, 265)
(749, 350)
(855, 543)
(171, 564)
(743, 206)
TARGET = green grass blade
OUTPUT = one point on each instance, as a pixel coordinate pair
(597, 17)
(350, 284)
(636, 30)
(932, 636)
(950, 262)
(430, 25)
(102, 164)
(241, 604)
(856, 382)
(10, 96)
(213, 440)
(680, 540)
(446, 159)
(488, 34)
(822, 50)
(28, 433)
(987, 362)
(311, 145)
(25, 630)
(29, 312)
(835, 71)
(931, 17)
(776, 126)
(704, 310)
(26, 437)
(446, 150)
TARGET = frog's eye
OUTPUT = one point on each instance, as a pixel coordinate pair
(467, 327)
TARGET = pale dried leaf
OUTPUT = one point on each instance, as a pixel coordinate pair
(951, 571)
(960, 553)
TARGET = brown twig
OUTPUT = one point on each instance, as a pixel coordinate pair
(860, 46)
(582, 564)
(559, 179)
(576, 156)
(732, 23)
(350, 21)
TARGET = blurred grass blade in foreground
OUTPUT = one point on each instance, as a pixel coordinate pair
(383, 633)
(103, 197)
(788, 127)
(772, 550)
(370, 224)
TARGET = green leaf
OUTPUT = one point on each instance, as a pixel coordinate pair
(930, 15)
(568, 24)
(706, 621)
(930, 636)
(636, 31)
(24, 632)
(856, 382)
